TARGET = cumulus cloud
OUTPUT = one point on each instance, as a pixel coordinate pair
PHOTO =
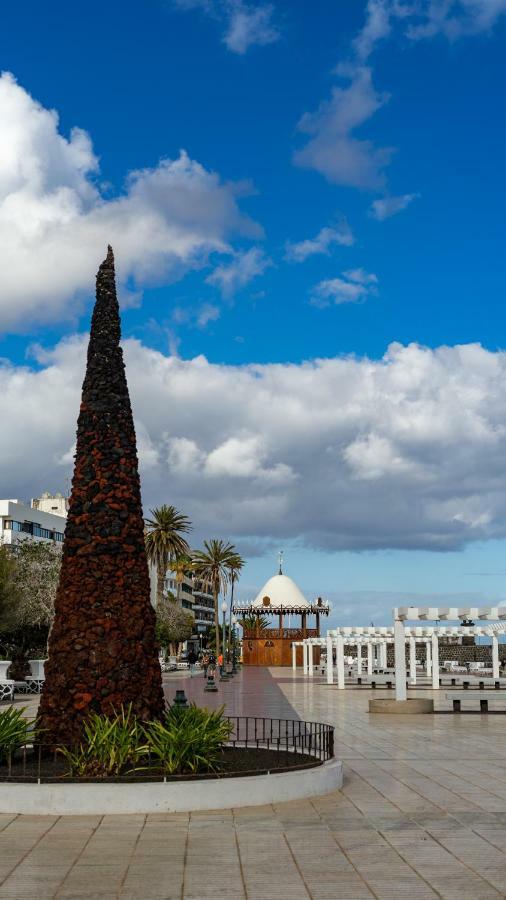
(425, 19)
(353, 286)
(246, 24)
(455, 18)
(406, 451)
(244, 267)
(55, 224)
(386, 207)
(332, 148)
(326, 238)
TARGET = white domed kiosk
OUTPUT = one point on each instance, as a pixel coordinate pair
(266, 645)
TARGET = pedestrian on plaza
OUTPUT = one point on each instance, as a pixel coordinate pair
(192, 659)
(220, 663)
(205, 663)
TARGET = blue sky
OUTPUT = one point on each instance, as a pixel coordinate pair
(345, 170)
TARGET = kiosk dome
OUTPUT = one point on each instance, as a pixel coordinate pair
(281, 592)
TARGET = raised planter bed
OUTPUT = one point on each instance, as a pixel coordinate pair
(267, 760)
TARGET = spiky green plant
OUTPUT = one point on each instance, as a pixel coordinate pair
(189, 740)
(111, 745)
(15, 731)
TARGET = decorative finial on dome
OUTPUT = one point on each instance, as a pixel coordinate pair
(280, 557)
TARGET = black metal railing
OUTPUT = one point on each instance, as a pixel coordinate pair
(297, 744)
(314, 739)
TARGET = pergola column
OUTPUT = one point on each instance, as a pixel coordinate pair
(383, 655)
(369, 657)
(435, 662)
(304, 657)
(359, 658)
(340, 661)
(294, 657)
(412, 660)
(495, 656)
(428, 659)
(400, 661)
(310, 659)
(330, 661)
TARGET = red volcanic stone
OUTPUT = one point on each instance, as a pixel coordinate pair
(102, 648)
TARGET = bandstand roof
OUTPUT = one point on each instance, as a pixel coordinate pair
(283, 593)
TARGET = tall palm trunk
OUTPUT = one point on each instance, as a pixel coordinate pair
(160, 582)
(217, 620)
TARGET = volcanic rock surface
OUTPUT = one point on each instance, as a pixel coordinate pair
(102, 648)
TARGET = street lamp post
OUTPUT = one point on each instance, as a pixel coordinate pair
(224, 674)
(234, 667)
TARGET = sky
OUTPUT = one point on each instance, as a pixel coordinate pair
(306, 203)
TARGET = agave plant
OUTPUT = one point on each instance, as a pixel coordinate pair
(188, 740)
(15, 731)
(111, 745)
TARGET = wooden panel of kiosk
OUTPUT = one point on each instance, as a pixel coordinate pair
(272, 652)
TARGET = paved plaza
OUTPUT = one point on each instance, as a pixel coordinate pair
(422, 814)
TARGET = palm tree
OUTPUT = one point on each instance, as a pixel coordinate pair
(181, 566)
(213, 565)
(164, 541)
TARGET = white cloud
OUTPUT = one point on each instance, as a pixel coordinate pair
(354, 286)
(246, 24)
(425, 19)
(244, 267)
(389, 206)
(55, 225)
(406, 451)
(332, 149)
(249, 26)
(323, 242)
(455, 18)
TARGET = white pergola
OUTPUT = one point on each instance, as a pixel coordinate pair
(376, 639)
(402, 614)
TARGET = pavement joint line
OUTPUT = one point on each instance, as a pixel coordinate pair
(22, 858)
(385, 836)
(185, 858)
(437, 782)
(132, 854)
(241, 868)
(345, 853)
(79, 855)
(398, 852)
(414, 791)
(301, 876)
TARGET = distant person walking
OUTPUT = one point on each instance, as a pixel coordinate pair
(220, 663)
(205, 663)
(192, 659)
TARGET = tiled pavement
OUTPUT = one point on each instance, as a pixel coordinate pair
(422, 814)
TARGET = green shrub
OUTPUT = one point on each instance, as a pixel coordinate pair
(111, 745)
(15, 731)
(188, 740)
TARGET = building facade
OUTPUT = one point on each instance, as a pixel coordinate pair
(194, 597)
(19, 522)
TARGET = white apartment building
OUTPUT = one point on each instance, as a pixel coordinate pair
(193, 596)
(18, 521)
(51, 503)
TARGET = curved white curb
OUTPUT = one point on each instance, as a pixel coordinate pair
(182, 796)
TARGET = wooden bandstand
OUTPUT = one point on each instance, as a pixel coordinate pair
(280, 598)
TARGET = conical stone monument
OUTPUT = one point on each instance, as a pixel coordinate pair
(102, 647)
